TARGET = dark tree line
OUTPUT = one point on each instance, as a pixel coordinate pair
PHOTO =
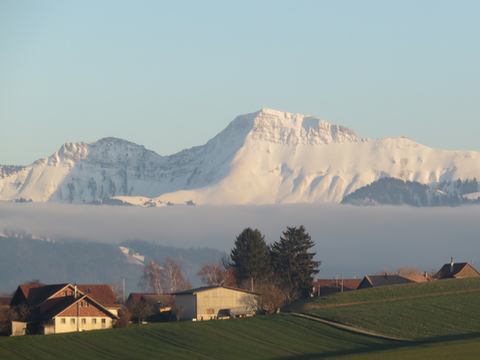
(282, 272)
(392, 191)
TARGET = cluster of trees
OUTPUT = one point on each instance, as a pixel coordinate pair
(282, 272)
(393, 191)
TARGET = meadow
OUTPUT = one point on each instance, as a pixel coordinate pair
(440, 318)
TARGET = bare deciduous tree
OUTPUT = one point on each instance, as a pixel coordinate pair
(409, 270)
(404, 270)
(272, 297)
(140, 310)
(151, 279)
(212, 274)
(164, 278)
(172, 276)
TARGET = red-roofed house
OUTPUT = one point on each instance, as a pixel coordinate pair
(324, 287)
(63, 308)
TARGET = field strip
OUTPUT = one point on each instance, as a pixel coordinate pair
(393, 299)
(349, 328)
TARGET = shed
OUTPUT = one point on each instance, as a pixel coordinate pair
(213, 302)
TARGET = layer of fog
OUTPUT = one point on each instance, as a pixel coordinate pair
(355, 241)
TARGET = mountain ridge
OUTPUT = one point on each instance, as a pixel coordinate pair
(265, 157)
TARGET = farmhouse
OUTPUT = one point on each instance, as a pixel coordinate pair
(213, 302)
(63, 308)
(456, 270)
(385, 280)
(324, 287)
(160, 302)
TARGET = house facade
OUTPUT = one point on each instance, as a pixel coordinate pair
(64, 308)
(213, 302)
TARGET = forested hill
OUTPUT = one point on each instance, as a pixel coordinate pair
(392, 191)
(24, 258)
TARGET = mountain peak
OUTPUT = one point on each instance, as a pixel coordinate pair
(296, 129)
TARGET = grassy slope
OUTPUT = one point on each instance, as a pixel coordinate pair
(386, 293)
(416, 311)
(268, 337)
(447, 321)
(280, 336)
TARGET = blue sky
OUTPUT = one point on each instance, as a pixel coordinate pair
(171, 75)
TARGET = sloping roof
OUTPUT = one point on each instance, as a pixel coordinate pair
(36, 294)
(416, 278)
(164, 299)
(135, 297)
(384, 280)
(350, 284)
(463, 269)
(102, 294)
(55, 306)
(208, 288)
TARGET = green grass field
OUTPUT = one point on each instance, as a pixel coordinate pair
(281, 336)
(434, 310)
(441, 316)
(386, 293)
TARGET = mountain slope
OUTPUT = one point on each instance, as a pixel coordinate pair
(265, 157)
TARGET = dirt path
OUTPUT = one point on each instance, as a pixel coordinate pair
(349, 328)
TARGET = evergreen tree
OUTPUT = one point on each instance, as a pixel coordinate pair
(293, 265)
(250, 257)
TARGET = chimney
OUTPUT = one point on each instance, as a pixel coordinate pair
(451, 265)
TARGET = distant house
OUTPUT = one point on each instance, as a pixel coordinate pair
(64, 308)
(160, 302)
(385, 280)
(324, 287)
(213, 302)
(456, 270)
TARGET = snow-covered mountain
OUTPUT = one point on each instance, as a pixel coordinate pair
(261, 158)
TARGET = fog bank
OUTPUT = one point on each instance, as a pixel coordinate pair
(355, 241)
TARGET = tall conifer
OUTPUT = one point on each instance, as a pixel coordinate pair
(250, 257)
(292, 264)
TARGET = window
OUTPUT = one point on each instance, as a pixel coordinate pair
(86, 304)
(70, 293)
(103, 321)
(84, 321)
(72, 321)
(94, 321)
(62, 320)
(80, 304)
(64, 293)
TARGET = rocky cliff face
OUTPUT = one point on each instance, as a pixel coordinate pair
(265, 157)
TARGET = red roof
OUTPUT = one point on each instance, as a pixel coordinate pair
(135, 297)
(350, 284)
(34, 295)
(103, 294)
